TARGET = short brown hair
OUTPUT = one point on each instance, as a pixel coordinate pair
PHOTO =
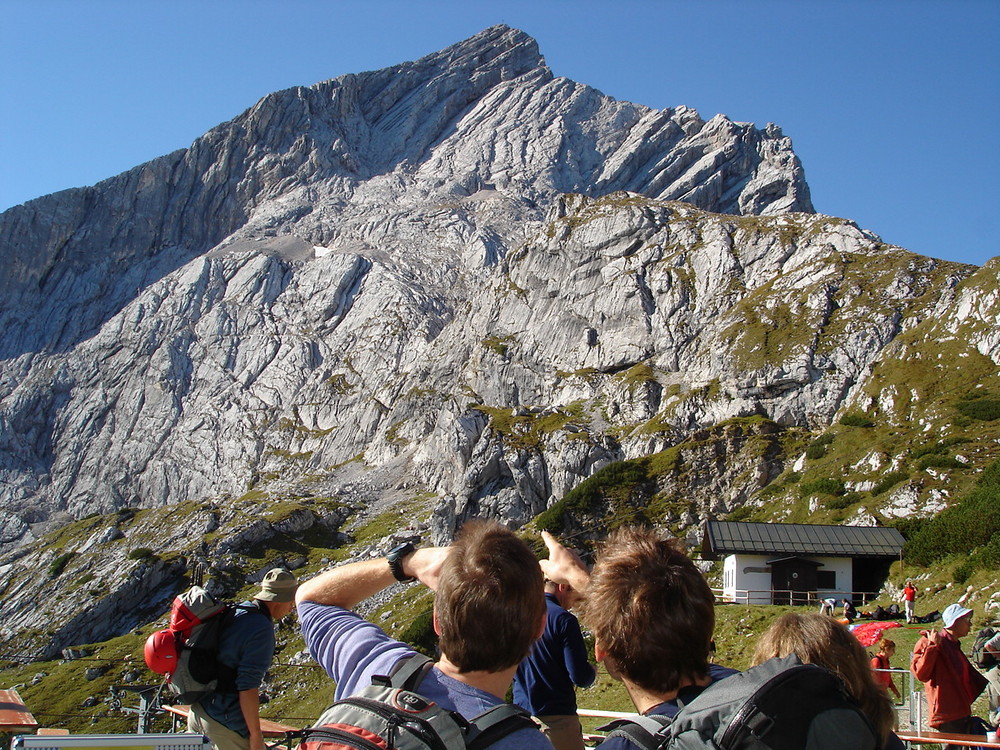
(651, 610)
(490, 599)
(817, 639)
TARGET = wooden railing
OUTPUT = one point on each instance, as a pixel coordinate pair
(756, 596)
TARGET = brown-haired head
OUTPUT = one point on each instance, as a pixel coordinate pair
(651, 610)
(490, 602)
(816, 639)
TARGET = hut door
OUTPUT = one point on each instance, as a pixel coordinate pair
(792, 580)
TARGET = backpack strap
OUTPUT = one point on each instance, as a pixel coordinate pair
(226, 681)
(645, 732)
(407, 673)
(493, 724)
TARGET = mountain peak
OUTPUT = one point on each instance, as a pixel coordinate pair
(436, 168)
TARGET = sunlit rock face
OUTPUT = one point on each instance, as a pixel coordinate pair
(404, 270)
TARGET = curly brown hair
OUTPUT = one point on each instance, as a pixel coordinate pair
(650, 610)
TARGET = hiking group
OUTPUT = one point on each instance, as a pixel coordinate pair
(503, 620)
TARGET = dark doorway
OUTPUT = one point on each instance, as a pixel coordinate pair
(793, 580)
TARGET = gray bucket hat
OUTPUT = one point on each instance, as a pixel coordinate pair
(278, 586)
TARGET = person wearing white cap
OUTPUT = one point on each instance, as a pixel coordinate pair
(952, 682)
(230, 717)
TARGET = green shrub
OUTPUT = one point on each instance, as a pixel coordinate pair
(940, 462)
(839, 503)
(984, 409)
(605, 491)
(815, 451)
(856, 420)
(58, 565)
(140, 553)
(909, 527)
(823, 487)
(970, 527)
(939, 448)
(817, 448)
(743, 513)
(420, 634)
(889, 481)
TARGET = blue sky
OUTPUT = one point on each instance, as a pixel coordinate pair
(892, 105)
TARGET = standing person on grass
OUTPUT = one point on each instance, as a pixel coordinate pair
(953, 684)
(545, 683)
(880, 663)
(909, 600)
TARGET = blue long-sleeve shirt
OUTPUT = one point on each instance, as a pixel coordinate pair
(544, 683)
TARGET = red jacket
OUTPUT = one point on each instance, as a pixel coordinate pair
(952, 682)
(880, 662)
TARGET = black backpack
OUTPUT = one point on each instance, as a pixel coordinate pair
(390, 714)
(781, 704)
(980, 656)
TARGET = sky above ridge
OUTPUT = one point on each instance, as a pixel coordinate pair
(892, 105)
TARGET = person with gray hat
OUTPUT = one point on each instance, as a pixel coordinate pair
(953, 684)
(231, 717)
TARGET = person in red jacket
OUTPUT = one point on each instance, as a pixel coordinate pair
(951, 680)
(880, 663)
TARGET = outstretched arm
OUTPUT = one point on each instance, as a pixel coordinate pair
(351, 584)
(564, 565)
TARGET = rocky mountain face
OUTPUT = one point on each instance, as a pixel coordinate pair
(459, 278)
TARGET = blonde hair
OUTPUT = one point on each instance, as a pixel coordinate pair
(816, 639)
(885, 644)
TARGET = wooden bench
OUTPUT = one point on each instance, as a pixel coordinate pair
(267, 727)
(928, 736)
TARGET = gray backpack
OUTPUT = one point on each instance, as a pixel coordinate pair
(389, 714)
(781, 704)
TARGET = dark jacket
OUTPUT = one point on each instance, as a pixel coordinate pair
(544, 683)
(246, 645)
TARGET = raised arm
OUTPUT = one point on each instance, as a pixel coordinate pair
(348, 585)
(564, 565)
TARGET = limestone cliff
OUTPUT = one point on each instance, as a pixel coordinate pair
(461, 279)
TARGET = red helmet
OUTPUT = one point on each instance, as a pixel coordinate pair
(161, 652)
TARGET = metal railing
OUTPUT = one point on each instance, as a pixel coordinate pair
(804, 598)
(909, 712)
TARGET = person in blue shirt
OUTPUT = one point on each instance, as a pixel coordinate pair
(488, 611)
(230, 717)
(652, 614)
(544, 682)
